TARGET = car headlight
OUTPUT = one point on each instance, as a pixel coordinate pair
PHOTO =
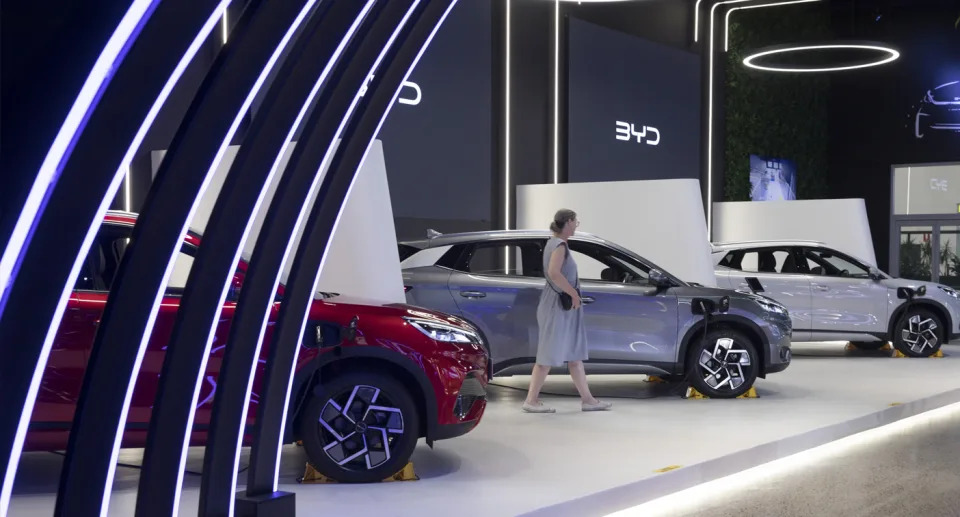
(772, 306)
(443, 333)
(950, 291)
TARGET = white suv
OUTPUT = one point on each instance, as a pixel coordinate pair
(833, 296)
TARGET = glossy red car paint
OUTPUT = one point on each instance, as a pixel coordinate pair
(384, 340)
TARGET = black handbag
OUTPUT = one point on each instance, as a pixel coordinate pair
(566, 301)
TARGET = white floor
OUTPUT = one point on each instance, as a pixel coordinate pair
(574, 463)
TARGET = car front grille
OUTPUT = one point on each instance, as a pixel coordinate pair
(471, 392)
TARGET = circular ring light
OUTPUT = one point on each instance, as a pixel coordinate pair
(888, 54)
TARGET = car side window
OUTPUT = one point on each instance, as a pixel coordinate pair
(505, 259)
(830, 263)
(599, 264)
(762, 260)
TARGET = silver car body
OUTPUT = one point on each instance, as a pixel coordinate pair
(825, 303)
(632, 327)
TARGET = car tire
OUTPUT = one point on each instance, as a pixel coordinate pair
(348, 445)
(869, 345)
(724, 365)
(918, 333)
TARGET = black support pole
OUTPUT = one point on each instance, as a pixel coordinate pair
(243, 189)
(355, 143)
(262, 32)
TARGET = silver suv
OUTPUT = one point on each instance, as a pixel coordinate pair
(640, 319)
(833, 296)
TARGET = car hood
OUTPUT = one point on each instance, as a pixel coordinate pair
(381, 308)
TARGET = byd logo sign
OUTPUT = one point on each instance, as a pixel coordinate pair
(406, 85)
(626, 131)
(939, 185)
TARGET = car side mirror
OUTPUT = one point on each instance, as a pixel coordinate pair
(656, 278)
(875, 274)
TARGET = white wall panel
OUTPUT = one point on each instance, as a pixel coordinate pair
(362, 260)
(840, 223)
(661, 220)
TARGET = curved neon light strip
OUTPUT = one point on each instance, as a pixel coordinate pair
(893, 55)
(506, 135)
(696, 21)
(46, 179)
(336, 223)
(97, 81)
(726, 23)
(273, 170)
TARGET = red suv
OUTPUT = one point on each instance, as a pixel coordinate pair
(407, 373)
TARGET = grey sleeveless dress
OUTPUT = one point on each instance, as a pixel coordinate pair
(563, 336)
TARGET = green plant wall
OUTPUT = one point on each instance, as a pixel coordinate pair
(772, 114)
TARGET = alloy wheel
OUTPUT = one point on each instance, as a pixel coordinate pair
(920, 333)
(723, 367)
(360, 428)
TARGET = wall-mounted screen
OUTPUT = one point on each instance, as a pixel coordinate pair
(772, 179)
(634, 107)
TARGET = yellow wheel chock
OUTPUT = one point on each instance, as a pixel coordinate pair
(311, 476)
(692, 393)
(899, 354)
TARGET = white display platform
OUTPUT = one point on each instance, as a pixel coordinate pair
(662, 220)
(592, 464)
(840, 223)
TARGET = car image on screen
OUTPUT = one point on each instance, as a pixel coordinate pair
(939, 110)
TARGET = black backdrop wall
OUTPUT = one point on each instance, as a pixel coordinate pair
(872, 111)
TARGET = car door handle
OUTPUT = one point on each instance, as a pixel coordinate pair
(473, 294)
(588, 299)
(819, 287)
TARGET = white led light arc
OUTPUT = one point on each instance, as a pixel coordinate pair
(726, 23)
(226, 27)
(689, 498)
(336, 221)
(696, 21)
(273, 170)
(59, 151)
(43, 184)
(892, 55)
(254, 90)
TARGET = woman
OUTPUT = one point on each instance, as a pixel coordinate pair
(563, 338)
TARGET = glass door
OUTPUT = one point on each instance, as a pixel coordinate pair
(929, 251)
(916, 251)
(948, 241)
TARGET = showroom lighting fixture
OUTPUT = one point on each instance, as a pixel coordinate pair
(321, 80)
(506, 134)
(127, 204)
(697, 496)
(99, 77)
(726, 23)
(234, 126)
(86, 101)
(226, 27)
(713, 9)
(890, 55)
(556, 92)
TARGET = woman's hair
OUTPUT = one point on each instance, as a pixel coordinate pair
(562, 217)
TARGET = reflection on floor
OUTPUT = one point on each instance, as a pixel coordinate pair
(910, 470)
(583, 464)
